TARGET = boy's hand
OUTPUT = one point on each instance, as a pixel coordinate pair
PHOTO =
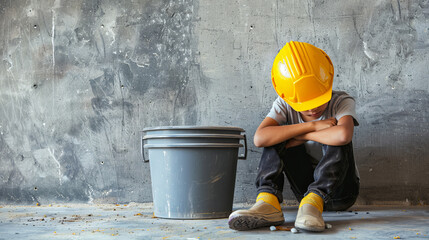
(319, 125)
(323, 124)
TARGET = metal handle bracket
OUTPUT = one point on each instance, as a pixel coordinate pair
(142, 149)
(243, 157)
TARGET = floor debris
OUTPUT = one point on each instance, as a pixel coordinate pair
(283, 228)
(101, 221)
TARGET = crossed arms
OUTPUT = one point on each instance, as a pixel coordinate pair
(327, 131)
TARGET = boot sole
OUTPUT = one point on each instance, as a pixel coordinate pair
(243, 223)
(309, 229)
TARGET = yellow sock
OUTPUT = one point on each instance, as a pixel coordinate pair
(270, 199)
(314, 200)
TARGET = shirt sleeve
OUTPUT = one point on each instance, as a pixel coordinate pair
(278, 111)
(347, 107)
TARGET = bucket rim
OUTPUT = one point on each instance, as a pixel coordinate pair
(192, 128)
(194, 145)
(193, 136)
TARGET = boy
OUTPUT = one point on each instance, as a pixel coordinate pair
(306, 136)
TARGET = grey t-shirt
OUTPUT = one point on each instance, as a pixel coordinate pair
(340, 105)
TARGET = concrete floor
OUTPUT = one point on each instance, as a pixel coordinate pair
(136, 221)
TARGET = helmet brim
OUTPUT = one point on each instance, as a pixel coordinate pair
(310, 104)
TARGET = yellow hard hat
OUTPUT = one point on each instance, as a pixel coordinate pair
(302, 75)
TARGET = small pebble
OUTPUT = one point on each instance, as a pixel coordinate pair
(328, 226)
(273, 228)
(294, 230)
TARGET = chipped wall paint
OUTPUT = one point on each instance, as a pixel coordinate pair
(81, 79)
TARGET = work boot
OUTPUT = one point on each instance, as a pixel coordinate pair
(309, 217)
(261, 214)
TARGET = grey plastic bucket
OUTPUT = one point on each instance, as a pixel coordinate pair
(193, 174)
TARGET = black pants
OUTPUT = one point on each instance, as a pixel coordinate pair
(334, 178)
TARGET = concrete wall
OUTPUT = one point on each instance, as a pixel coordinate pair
(80, 79)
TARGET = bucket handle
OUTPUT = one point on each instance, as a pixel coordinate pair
(142, 149)
(244, 156)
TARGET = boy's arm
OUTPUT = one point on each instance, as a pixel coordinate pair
(270, 133)
(338, 135)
